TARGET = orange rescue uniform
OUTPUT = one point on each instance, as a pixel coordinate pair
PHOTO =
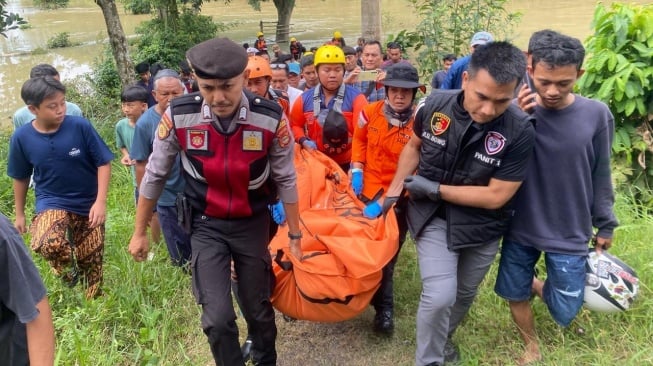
(377, 144)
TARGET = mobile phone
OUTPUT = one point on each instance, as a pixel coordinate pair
(367, 75)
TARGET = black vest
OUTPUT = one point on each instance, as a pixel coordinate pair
(455, 151)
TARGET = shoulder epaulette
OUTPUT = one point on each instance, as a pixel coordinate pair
(264, 106)
(186, 104)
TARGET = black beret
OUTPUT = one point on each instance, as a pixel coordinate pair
(217, 58)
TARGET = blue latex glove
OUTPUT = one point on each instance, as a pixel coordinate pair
(278, 213)
(357, 180)
(372, 210)
(310, 144)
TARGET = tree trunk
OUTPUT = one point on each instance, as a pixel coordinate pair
(118, 41)
(371, 19)
(284, 12)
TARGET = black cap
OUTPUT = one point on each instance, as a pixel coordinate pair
(348, 50)
(217, 58)
(143, 67)
(402, 75)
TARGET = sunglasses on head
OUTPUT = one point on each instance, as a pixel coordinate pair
(278, 66)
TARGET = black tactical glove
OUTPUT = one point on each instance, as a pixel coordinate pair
(388, 202)
(420, 188)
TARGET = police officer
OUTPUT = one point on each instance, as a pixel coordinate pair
(470, 149)
(237, 156)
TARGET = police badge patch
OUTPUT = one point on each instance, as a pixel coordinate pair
(252, 141)
(283, 133)
(165, 125)
(197, 140)
(439, 123)
(494, 142)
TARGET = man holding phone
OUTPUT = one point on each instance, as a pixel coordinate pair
(366, 78)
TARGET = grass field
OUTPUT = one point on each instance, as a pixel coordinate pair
(148, 315)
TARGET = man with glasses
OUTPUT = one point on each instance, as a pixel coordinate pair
(279, 81)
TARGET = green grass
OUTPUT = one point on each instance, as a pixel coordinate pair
(148, 315)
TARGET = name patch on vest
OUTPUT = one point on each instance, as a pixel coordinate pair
(434, 139)
(494, 142)
(439, 123)
(197, 140)
(487, 160)
(252, 141)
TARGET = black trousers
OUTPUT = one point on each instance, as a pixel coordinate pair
(383, 298)
(215, 242)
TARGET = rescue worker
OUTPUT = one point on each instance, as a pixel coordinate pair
(259, 82)
(237, 154)
(296, 49)
(470, 148)
(383, 129)
(260, 43)
(325, 116)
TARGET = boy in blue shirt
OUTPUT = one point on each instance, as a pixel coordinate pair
(71, 167)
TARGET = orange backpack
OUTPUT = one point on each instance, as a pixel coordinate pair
(343, 252)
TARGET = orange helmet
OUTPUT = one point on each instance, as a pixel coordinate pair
(258, 67)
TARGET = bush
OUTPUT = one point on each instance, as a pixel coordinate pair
(158, 43)
(138, 6)
(51, 4)
(619, 72)
(105, 78)
(60, 40)
(446, 27)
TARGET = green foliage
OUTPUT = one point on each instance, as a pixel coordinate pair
(619, 72)
(446, 27)
(51, 4)
(9, 21)
(60, 40)
(138, 6)
(105, 78)
(160, 43)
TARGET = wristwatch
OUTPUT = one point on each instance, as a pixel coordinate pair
(295, 236)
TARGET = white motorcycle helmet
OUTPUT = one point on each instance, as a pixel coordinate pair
(610, 285)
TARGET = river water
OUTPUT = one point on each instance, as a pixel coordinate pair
(313, 22)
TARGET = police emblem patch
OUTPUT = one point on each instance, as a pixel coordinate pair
(165, 125)
(197, 140)
(494, 142)
(439, 123)
(283, 133)
(252, 141)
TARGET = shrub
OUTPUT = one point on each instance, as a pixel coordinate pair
(446, 27)
(60, 40)
(619, 72)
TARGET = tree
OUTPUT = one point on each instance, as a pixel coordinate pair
(447, 26)
(284, 13)
(118, 41)
(619, 72)
(371, 19)
(8, 21)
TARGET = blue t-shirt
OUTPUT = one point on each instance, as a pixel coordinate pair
(64, 164)
(142, 148)
(454, 79)
(23, 115)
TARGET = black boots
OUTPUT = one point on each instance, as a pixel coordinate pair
(246, 348)
(384, 322)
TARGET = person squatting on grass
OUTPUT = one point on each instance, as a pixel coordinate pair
(555, 213)
(26, 329)
(72, 167)
(382, 131)
(237, 155)
(470, 149)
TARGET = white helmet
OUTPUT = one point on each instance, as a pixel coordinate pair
(610, 284)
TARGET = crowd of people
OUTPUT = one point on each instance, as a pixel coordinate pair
(466, 168)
